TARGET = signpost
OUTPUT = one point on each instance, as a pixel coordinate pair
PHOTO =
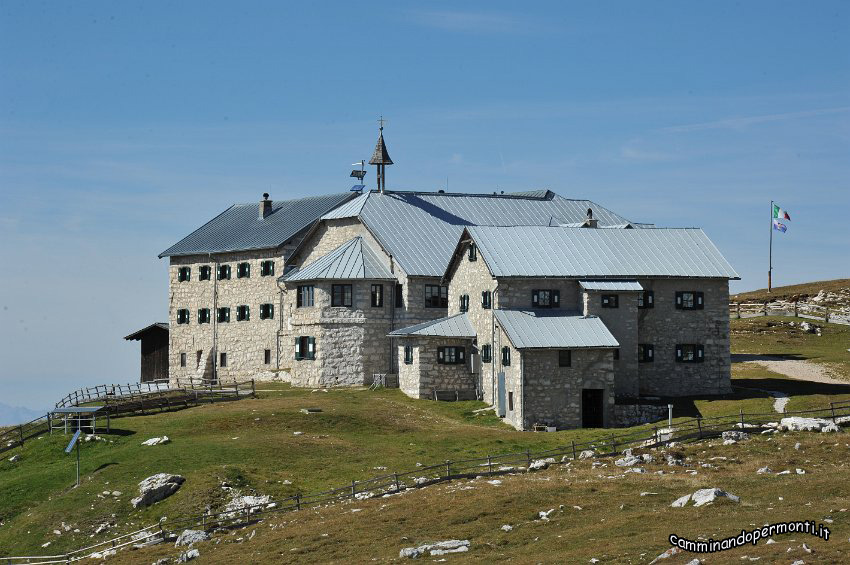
(74, 441)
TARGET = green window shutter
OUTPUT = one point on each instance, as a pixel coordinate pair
(700, 354)
(556, 298)
(535, 297)
(678, 352)
(678, 300)
(699, 300)
(461, 354)
(311, 347)
(441, 354)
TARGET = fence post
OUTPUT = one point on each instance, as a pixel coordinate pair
(21, 429)
(528, 456)
(826, 316)
(742, 418)
(253, 389)
(353, 488)
(489, 464)
(574, 450)
(765, 308)
(699, 426)
(796, 310)
(655, 432)
(832, 409)
(613, 444)
(739, 310)
(448, 470)
(298, 500)
(397, 485)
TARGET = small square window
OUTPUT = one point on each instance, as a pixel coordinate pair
(183, 316)
(689, 353)
(204, 273)
(506, 356)
(184, 274)
(243, 270)
(243, 313)
(473, 252)
(266, 311)
(451, 355)
(305, 347)
(222, 360)
(646, 299)
(646, 353)
(689, 300)
(545, 298)
(616, 355)
(377, 296)
(408, 354)
(305, 296)
(223, 315)
(182, 359)
(204, 316)
(464, 303)
(565, 358)
(267, 269)
(399, 295)
(341, 295)
(223, 272)
(610, 301)
(436, 296)
(487, 299)
(486, 353)
(267, 357)
(511, 401)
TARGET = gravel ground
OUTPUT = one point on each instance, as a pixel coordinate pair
(794, 368)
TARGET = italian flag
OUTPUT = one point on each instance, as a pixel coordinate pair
(780, 213)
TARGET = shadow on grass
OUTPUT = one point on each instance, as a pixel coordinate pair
(744, 357)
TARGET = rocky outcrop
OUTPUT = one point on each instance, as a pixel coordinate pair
(188, 537)
(155, 488)
(703, 496)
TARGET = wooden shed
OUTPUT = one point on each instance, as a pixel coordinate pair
(154, 340)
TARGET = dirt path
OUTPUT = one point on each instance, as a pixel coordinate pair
(799, 369)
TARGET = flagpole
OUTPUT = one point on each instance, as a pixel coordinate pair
(770, 254)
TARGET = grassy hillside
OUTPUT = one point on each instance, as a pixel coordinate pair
(792, 292)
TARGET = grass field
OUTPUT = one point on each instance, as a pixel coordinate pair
(251, 445)
(791, 292)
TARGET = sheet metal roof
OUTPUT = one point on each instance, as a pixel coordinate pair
(239, 227)
(421, 229)
(138, 334)
(354, 259)
(533, 251)
(453, 326)
(625, 286)
(532, 329)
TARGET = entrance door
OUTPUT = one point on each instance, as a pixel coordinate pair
(592, 408)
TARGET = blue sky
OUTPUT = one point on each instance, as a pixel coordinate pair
(123, 126)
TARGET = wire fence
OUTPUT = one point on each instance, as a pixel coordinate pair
(694, 429)
(806, 310)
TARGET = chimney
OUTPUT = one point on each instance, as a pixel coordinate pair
(265, 206)
(590, 222)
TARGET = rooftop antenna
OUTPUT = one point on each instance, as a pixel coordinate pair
(359, 174)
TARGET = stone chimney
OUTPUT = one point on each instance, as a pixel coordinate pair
(590, 222)
(265, 206)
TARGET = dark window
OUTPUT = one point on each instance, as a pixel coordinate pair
(183, 316)
(267, 357)
(399, 296)
(203, 315)
(545, 298)
(689, 300)
(243, 313)
(436, 296)
(689, 353)
(486, 353)
(646, 352)
(511, 401)
(610, 301)
(243, 270)
(473, 252)
(267, 268)
(223, 315)
(408, 354)
(565, 358)
(451, 355)
(184, 274)
(506, 356)
(616, 355)
(204, 273)
(223, 272)
(198, 355)
(377, 295)
(646, 299)
(341, 295)
(266, 311)
(182, 359)
(464, 303)
(304, 297)
(222, 360)
(486, 299)
(305, 347)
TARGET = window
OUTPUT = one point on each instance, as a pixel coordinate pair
(646, 299)
(408, 355)
(243, 270)
(223, 272)
(399, 295)
(341, 295)
(689, 353)
(183, 316)
(222, 360)
(204, 273)
(243, 313)
(451, 355)
(565, 358)
(436, 296)
(545, 298)
(182, 359)
(473, 252)
(689, 300)
(646, 352)
(616, 355)
(610, 301)
(304, 297)
(486, 353)
(511, 400)
(223, 315)
(464, 303)
(305, 347)
(184, 274)
(377, 296)
(267, 269)
(506, 356)
(203, 315)
(198, 356)
(486, 299)
(267, 357)
(266, 311)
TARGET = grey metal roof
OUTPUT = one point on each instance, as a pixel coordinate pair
(240, 228)
(138, 334)
(421, 229)
(532, 329)
(453, 326)
(624, 286)
(534, 251)
(354, 259)
(350, 209)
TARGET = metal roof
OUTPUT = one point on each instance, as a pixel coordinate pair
(534, 251)
(354, 259)
(421, 229)
(350, 209)
(453, 326)
(532, 329)
(77, 410)
(240, 228)
(138, 334)
(624, 286)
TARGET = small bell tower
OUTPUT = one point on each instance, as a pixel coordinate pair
(381, 158)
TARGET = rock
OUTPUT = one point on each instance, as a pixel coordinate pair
(729, 441)
(298, 433)
(156, 441)
(249, 503)
(155, 488)
(544, 514)
(799, 424)
(647, 458)
(507, 528)
(439, 548)
(673, 460)
(797, 445)
(103, 554)
(801, 471)
(694, 562)
(586, 454)
(538, 464)
(703, 496)
(188, 537)
(188, 555)
(15, 458)
(681, 501)
(764, 470)
(737, 436)
(636, 470)
(667, 554)
(627, 461)
(117, 493)
(495, 482)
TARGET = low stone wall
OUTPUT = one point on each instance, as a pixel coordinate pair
(627, 415)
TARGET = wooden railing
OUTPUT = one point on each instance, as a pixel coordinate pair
(784, 308)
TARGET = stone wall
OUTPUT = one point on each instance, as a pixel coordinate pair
(622, 322)
(421, 378)
(516, 293)
(627, 415)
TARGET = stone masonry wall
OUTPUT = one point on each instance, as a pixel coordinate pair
(421, 378)
(622, 322)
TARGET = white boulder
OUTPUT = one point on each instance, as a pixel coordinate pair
(155, 488)
(188, 537)
(799, 424)
(439, 548)
(737, 436)
(703, 496)
(188, 555)
(586, 454)
(538, 464)
(156, 441)
(627, 461)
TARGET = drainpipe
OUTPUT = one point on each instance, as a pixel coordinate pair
(493, 349)
(214, 316)
(521, 388)
(393, 350)
(280, 315)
